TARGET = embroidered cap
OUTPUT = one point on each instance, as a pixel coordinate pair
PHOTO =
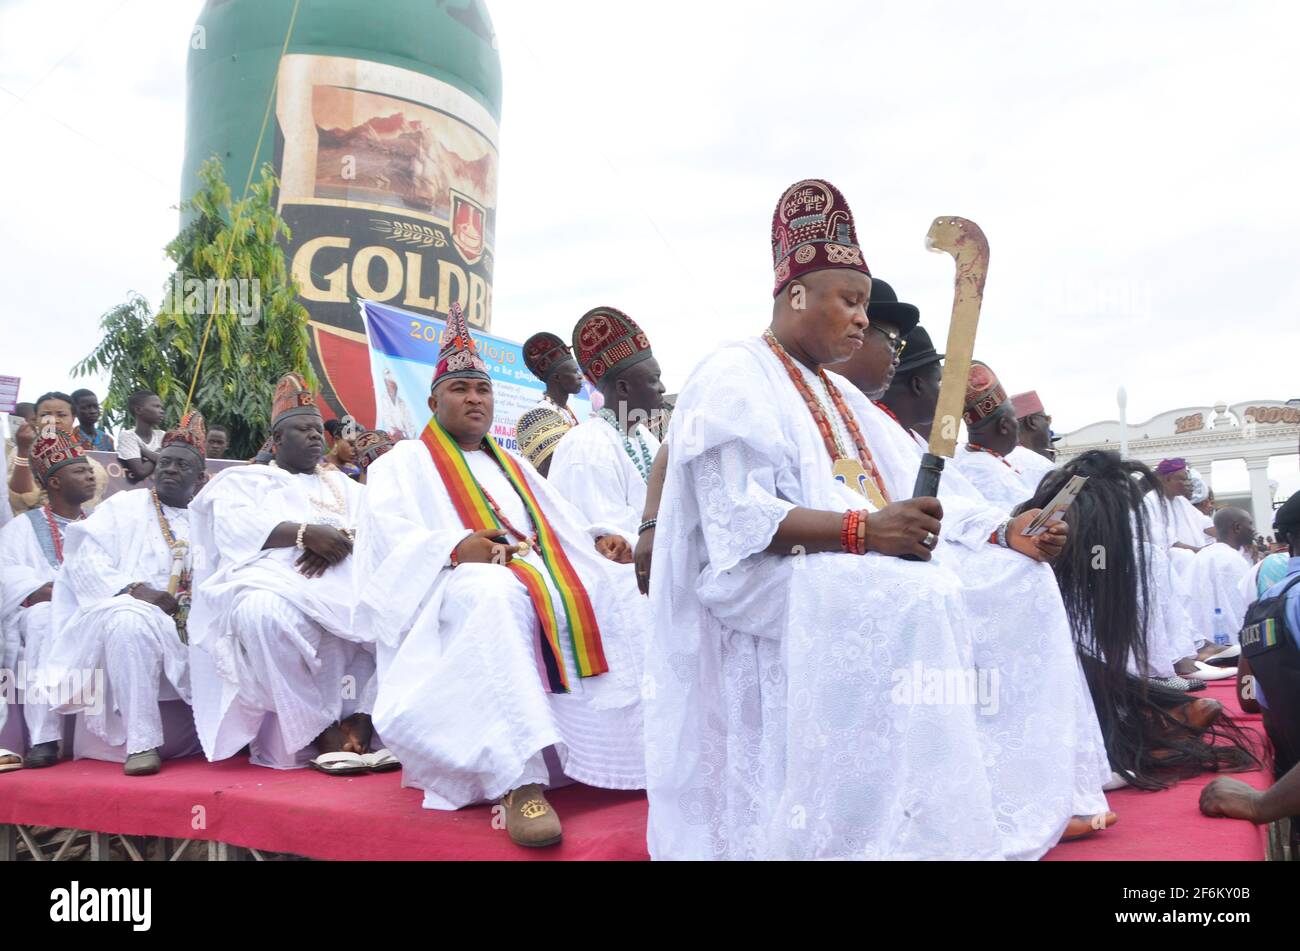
(1027, 404)
(1167, 466)
(984, 394)
(53, 450)
(545, 352)
(812, 230)
(459, 359)
(191, 433)
(370, 445)
(539, 431)
(292, 398)
(606, 340)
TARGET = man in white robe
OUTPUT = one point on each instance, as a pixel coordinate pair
(471, 690)
(120, 607)
(1218, 572)
(991, 431)
(31, 559)
(392, 414)
(278, 661)
(795, 701)
(550, 360)
(602, 465)
(1033, 454)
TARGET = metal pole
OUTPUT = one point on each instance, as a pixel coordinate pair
(1121, 397)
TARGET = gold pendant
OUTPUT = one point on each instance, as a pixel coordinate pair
(851, 473)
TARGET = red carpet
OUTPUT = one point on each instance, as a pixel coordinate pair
(1168, 825)
(372, 817)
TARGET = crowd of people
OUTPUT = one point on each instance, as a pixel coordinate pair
(728, 598)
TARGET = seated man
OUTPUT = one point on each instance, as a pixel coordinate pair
(602, 465)
(120, 607)
(31, 559)
(370, 445)
(278, 661)
(507, 624)
(1217, 576)
(25, 494)
(1033, 454)
(991, 431)
(913, 391)
(796, 704)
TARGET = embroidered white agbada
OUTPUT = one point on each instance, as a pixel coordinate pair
(592, 469)
(26, 565)
(277, 657)
(1216, 575)
(1032, 466)
(1180, 519)
(97, 627)
(999, 480)
(789, 709)
(462, 701)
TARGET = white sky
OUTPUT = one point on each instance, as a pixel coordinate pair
(1132, 164)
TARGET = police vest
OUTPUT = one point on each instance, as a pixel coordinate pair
(1275, 663)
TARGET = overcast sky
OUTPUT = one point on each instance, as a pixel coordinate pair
(1133, 165)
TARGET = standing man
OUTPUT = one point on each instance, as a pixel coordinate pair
(278, 660)
(1034, 455)
(781, 715)
(91, 435)
(602, 465)
(507, 623)
(31, 560)
(120, 606)
(991, 432)
(550, 360)
(54, 411)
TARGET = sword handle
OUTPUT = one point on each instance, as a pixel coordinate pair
(927, 483)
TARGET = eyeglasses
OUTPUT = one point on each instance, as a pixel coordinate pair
(896, 342)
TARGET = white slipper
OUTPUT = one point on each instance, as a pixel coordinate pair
(1117, 781)
(1228, 653)
(10, 767)
(1206, 671)
(340, 764)
(381, 761)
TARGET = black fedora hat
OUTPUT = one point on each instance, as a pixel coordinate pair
(884, 305)
(919, 351)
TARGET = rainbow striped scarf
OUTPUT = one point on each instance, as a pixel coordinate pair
(476, 513)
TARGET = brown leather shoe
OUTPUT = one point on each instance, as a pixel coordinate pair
(530, 820)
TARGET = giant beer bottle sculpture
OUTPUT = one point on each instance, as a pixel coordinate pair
(382, 128)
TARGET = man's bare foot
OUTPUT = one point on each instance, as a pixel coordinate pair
(1079, 826)
(333, 739)
(358, 729)
(1231, 798)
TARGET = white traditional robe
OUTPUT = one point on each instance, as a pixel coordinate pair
(462, 700)
(1216, 577)
(277, 657)
(394, 416)
(25, 567)
(1177, 520)
(98, 628)
(1000, 481)
(789, 710)
(591, 468)
(1032, 466)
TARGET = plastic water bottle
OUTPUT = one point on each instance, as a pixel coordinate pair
(1220, 628)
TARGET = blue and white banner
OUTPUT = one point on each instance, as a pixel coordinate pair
(403, 354)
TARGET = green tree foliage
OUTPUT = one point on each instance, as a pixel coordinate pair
(231, 282)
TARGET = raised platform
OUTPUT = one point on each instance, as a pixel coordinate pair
(373, 817)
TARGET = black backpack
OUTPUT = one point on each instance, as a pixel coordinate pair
(1269, 646)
